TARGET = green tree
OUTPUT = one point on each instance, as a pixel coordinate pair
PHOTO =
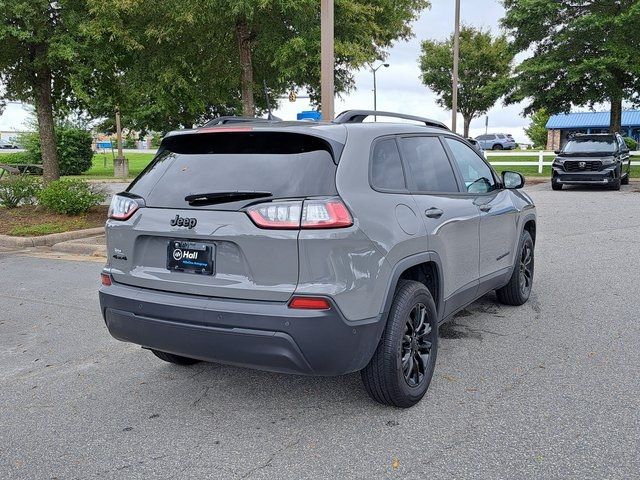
(37, 51)
(583, 52)
(483, 72)
(537, 129)
(185, 58)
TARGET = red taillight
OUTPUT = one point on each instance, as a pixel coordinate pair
(312, 214)
(122, 208)
(325, 214)
(106, 279)
(283, 215)
(309, 303)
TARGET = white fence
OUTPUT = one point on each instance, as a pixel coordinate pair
(540, 163)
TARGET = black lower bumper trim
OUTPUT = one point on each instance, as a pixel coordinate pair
(262, 335)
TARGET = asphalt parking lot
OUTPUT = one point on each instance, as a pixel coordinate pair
(547, 390)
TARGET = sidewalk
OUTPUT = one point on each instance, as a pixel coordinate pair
(93, 246)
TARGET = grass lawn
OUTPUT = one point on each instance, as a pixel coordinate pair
(32, 221)
(103, 165)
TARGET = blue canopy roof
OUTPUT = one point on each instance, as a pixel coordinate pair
(564, 121)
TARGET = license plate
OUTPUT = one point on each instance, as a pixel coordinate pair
(192, 257)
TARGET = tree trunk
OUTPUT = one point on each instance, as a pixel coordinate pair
(243, 37)
(615, 123)
(44, 111)
(467, 123)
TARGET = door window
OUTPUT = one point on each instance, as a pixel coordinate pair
(428, 164)
(477, 175)
(386, 167)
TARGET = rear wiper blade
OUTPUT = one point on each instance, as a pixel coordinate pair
(224, 197)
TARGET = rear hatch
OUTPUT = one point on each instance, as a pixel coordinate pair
(195, 194)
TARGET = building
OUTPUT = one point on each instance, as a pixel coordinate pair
(560, 127)
(10, 135)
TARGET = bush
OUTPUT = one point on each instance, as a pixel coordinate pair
(631, 143)
(16, 190)
(70, 197)
(16, 158)
(74, 149)
(129, 142)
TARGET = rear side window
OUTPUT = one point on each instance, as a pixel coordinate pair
(428, 163)
(386, 167)
(287, 165)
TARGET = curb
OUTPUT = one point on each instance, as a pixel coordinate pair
(48, 240)
(78, 248)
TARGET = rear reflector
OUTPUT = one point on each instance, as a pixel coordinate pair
(309, 303)
(106, 279)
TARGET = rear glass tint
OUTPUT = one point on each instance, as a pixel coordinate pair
(288, 165)
(386, 167)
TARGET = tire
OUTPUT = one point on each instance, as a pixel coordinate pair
(555, 185)
(625, 180)
(616, 184)
(389, 378)
(518, 290)
(497, 146)
(176, 359)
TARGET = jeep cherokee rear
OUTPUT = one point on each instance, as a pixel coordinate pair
(300, 248)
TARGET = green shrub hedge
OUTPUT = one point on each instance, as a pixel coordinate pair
(70, 196)
(18, 190)
(74, 149)
(631, 143)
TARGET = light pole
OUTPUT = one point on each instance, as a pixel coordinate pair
(456, 56)
(327, 59)
(375, 88)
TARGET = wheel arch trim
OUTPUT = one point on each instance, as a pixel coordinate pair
(405, 264)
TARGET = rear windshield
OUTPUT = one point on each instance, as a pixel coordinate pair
(591, 145)
(287, 165)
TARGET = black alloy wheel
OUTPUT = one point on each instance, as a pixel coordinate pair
(416, 346)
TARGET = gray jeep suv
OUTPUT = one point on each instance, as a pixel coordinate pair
(314, 248)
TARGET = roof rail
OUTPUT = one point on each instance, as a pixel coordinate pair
(358, 116)
(232, 119)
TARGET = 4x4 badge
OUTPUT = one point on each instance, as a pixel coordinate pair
(183, 222)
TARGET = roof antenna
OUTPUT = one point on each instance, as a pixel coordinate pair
(266, 97)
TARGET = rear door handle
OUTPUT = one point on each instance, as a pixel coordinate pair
(485, 208)
(433, 212)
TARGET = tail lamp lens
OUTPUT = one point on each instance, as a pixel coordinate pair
(309, 303)
(122, 208)
(106, 279)
(325, 214)
(329, 213)
(276, 215)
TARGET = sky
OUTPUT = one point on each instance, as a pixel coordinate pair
(399, 86)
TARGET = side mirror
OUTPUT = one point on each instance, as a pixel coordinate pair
(557, 152)
(512, 180)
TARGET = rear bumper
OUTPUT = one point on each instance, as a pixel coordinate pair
(603, 177)
(262, 335)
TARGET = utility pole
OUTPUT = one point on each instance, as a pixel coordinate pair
(375, 88)
(456, 56)
(327, 63)
(120, 164)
